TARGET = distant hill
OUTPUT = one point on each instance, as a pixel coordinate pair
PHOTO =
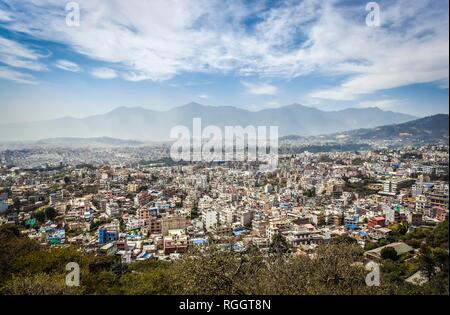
(72, 142)
(428, 129)
(147, 125)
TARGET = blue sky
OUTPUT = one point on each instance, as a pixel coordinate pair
(249, 54)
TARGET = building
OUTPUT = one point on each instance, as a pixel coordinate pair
(246, 218)
(415, 219)
(351, 219)
(173, 222)
(108, 249)
(422, 204)
(112, 210)
(376, 222)
(155, 225)
(304, 235)
(209, 219)
(438, 196)
(105, 236)
(334, 219)
(392, 214)
(260, 227)
(334, 188)
(132, 188)
(393, 186)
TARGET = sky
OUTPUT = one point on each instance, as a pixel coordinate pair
(252, 54)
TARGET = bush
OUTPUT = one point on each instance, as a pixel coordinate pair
(389, 253)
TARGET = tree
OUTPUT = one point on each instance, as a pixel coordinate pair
(400, 228)
(67, 180)
(38, 284)
(194, 213)
(344, 240)
(39, 216)
(13, 246)
(389, 253)
(279, 246)
(439, 236)
(310, 193)
(9, 231)
(216, 270)
(321, 220)
(50, 213)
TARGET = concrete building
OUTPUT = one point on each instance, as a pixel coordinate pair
(393, 186)
(209, 219)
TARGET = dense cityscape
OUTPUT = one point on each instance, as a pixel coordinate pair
(383, 201)
(210, 155)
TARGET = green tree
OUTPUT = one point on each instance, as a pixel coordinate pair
(38, 284)
(50, 213)
(344, 240)
(39, 215)
(389, 253)
(13, 246)
(279, 246)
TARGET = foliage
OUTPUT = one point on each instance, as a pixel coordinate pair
(279, 246)
(336, 268)
(345, 239)
(38, 284)
(389, 253)
(50, 213)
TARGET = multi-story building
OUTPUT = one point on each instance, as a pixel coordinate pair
(376, 222)
(209, 219)
(304, 235)
(392, 214)
(106, 236)
(112, 210)
(393, 186)
(173, 222)
(415, 219)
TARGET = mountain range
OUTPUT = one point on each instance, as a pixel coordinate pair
(148, 125)
(428, 129)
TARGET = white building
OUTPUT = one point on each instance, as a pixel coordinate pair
(209, 219)
(112, 210)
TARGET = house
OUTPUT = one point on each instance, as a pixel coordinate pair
(376, 222)
(108, 249)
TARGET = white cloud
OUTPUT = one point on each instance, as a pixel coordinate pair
(67, 65)
(17, 55)
(16, 76)
(104, 73)
(260, 88)
(203, 96)
(5, 16)
(411, 48)
(159, 39)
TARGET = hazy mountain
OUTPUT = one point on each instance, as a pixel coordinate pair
(428, 129)
(103, 142)
(147, 125)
